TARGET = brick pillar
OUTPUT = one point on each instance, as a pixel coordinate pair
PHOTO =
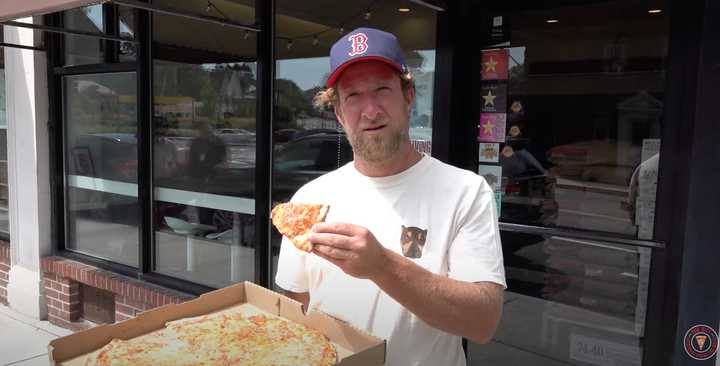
(63, 299)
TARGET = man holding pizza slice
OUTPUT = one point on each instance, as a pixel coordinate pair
(409, 249)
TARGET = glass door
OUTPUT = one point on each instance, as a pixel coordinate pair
(571, 102)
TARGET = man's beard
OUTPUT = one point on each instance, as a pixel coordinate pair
(378, 148)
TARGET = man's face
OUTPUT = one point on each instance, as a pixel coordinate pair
(373, 110)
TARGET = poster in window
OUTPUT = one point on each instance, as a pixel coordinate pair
(491, 127)
(494, 97)
(499, 29)
(492, 175)
(489, 152)
(495, 64)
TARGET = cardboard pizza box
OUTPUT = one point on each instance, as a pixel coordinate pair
(354, 346)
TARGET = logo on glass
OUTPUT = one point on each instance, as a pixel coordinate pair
(701, 342)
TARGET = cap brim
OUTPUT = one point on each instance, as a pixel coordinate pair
(336, 74)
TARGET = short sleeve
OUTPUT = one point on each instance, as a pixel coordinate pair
(291, 275)
(475, 254)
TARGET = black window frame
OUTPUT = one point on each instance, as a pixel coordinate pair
(142, 66)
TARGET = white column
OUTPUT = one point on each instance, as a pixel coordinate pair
(28, 168)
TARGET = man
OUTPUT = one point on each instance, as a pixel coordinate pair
(410, 249)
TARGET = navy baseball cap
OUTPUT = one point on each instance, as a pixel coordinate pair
(365, 44)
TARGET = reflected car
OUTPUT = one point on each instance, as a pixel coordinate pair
(303, 159)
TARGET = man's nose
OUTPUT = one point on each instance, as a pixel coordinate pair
(371, 109)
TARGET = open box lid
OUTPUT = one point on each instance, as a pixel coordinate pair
(365, 349)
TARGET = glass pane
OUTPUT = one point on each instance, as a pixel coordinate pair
(204, 146)
(81, 50)
(569, 302)
(4, 217)
(569, 132)
(101, 162)
(308, 141)
(126, 28)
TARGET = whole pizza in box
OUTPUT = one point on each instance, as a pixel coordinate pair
(222, 339)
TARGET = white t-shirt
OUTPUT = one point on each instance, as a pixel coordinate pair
(447, 218)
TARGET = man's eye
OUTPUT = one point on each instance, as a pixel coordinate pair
(383, 88)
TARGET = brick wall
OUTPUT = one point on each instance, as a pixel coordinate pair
(63, 299)
(63, 277)
(4, 270)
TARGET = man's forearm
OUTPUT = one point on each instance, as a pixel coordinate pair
(471, 310)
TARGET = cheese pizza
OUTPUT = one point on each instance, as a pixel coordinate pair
(222, 339)
(295, 220)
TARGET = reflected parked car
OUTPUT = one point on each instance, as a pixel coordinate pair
(303, 159)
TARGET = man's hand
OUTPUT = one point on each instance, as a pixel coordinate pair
(353, 248)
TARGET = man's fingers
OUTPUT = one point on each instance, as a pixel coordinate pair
(340, 228)
(333, 240)
(326, 252)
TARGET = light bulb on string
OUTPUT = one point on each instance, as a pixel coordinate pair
(289, 44)
(368, 15)
(341, 30)
(316, 40)
(209, 7)
(247, 35)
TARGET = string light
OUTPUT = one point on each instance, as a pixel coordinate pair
(367, 15)
(247, 35)
(209, 7)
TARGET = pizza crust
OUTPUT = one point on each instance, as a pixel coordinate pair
(303, 243)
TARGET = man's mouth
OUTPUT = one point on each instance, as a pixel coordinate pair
(376, 128)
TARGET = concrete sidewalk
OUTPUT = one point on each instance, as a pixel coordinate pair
(24, 340)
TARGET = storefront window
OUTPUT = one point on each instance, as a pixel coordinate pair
(204, 101)
(102, 210)
(309, 142)
(569, 132)
(569, 302)
(569, 137)
(4, 217)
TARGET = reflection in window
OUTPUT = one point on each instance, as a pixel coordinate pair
(84, 50)
(204, 100)
(568, 301)
(101, 163)
(126, 29)
(583, 112)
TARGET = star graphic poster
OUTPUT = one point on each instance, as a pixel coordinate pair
(492, 127)
(495, 64)
(489, 152)
(494, 97)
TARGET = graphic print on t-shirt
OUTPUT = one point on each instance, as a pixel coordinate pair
(412, 240)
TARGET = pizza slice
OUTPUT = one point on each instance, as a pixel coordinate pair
(295, 220)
